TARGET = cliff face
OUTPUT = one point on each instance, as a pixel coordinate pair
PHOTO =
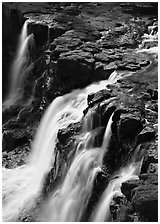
(77, 44)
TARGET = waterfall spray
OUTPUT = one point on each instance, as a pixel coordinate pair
(20, 62)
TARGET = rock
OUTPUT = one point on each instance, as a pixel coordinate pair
(9, 113)
(102, 71)
(153, 168)
(128, 186)
(90, 47)
(146, 135)
(103, 57)
(149, 178)
(140, 8)
(153, 93)
(74, 68)
(56, 30)
(67, 41)
(17, 157)
(145, 201)
(14, 138)
(40, 31)
(151, 155)
(98, 96)
(130, 125)
(65, 134)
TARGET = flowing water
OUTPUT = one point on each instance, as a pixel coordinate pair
(69, 203)
(22, 186)
(102, 210)
(18, 68)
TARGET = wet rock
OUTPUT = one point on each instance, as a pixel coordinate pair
(145, 201)
(98, 96)
(103, 71)
(128, 186)
(147, 134)
(129, 126)
(64, 134)
(40, 31)
(122, 210)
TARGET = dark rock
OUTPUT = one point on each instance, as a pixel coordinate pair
(14, 138)
(140, 8)
(64, 134)
(67, 41)
(74, 68)
(151, 155)
(149, 178)
(40, 31)
(153, 93)
(98, 96)
(13, 124)
(145, 201)
(103, 71)
(153, 168)
(90, 47)
(128, 186)
(146, 135)
(55, 30)
(130, 125)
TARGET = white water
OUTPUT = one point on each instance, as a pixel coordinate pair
(69, 202)
(17, 72)
(152, 36)
(23, 185)
(101, 212)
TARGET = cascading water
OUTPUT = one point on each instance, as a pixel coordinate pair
(151, 36)
(69, 203)
(23, 185)
(19, 65)
(101, 212)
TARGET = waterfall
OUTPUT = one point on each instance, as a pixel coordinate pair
(69, 203)
(101, 212)
(18, 67)
(23, 185)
